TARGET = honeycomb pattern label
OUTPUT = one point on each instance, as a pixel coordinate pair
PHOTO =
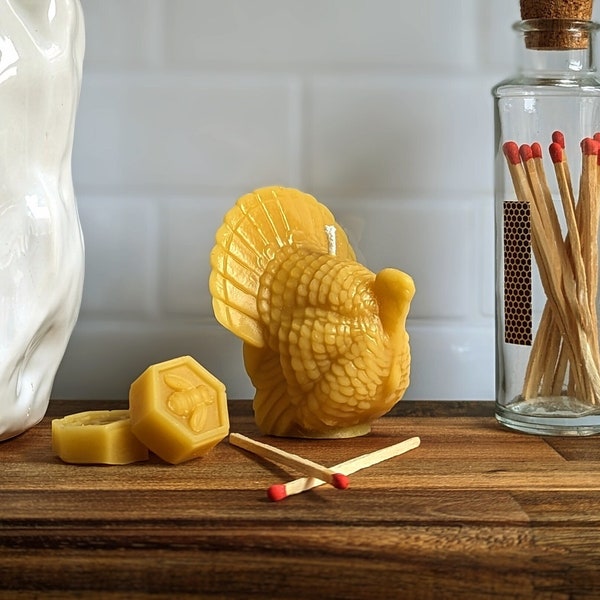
(517, 274)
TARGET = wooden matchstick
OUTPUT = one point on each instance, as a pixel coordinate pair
(517, 172)
(576, 286)
(302, 465)
(280, 491)
(559, 138)
(587, 216)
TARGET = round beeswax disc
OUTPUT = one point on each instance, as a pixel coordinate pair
(97, 437)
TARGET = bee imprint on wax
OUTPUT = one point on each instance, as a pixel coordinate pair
(188, 401)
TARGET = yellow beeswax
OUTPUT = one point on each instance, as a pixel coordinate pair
(178, 409)
(97, 436)
(325, 343)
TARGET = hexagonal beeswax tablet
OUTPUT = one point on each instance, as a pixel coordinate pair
(178, 409)
(97, 436)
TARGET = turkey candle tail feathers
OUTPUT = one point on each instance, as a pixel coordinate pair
(325, 343)
(253, 231)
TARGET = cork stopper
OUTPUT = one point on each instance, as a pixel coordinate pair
(579, 10)
(552, 32)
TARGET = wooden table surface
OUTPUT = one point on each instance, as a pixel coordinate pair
(477, 511)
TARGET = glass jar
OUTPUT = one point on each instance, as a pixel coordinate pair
(547, 208)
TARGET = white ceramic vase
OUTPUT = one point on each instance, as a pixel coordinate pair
(41, 246)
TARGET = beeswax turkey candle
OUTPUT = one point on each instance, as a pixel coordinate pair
(98, 436)
(325, 343)
(178, 409)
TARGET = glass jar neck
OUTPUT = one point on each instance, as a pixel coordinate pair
(556, 47)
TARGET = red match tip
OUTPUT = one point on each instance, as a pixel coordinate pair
(340, 481)
(526, 152)
(556, 152)
(597, 137)
(558, 138)
(536, 150)
(589, 146)
(511, 151)
(277, 492)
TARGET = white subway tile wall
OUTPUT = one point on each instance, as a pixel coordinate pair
(379, 108)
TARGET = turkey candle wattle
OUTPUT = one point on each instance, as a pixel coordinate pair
(325, 343)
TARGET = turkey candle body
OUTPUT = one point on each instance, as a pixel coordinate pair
(41, 245)
(325, 343)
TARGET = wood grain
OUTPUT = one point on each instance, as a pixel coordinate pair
(476, 511)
